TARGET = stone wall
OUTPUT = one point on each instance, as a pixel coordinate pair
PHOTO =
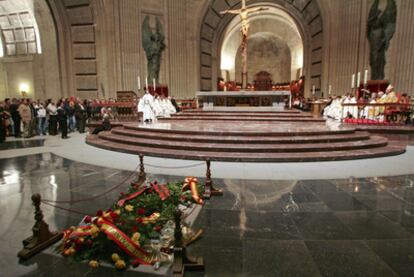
(41, 71)
(349, 49)
(267, 53)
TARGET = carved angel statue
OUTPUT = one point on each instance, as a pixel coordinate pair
(153, 44)
(380, 30)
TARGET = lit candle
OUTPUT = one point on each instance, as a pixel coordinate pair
(139, 82)
(353, 81)
(146, 83)
(329, 90)
(313, 90)
(366, 77)
(358, 79)
(155, 88)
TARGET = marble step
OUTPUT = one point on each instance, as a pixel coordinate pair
(373, 142)
(244, 118)
(262, 115)
(246, 112)
(389, 150)
(245, 139)
(235, 129)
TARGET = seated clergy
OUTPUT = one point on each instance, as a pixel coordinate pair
(350, 111)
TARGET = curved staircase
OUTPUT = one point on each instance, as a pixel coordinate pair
(239, 141)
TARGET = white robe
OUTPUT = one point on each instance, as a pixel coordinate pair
(334, 110)
(353, 110)
(145, 105)
(157, 108)
(170, 106)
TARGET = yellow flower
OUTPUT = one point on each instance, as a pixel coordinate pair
(129, 208)
(120, 264)
(135, 237)
(69, 252)
(118, 211)
(93, 263)
(115, 257)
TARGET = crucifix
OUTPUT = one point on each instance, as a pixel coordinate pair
(244, 18)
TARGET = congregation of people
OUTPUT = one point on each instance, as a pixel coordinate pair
(25, 118)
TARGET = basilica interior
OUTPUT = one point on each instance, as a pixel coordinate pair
(206, 138)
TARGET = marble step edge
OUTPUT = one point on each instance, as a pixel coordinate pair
(258, 119)
(245, 139)
(242, 133)
(235, 111)
(263, 115)
(373, 142)
(389, 150)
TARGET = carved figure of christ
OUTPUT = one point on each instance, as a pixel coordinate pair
(244, 18)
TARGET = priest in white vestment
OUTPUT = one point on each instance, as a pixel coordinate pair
(145, 105)
(334, 110)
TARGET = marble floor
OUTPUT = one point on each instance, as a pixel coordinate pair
(331, 227)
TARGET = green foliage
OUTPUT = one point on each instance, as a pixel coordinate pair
(133, 217)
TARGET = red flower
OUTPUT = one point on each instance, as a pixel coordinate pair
(89, 243)
(157, 228)
(134, 229)
(139, 220)
(88, 219)
(99, 213)
(141, 211)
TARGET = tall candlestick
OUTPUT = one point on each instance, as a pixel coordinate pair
(146, 83)
(330, 90)
(313, 90)
(155, 88)
(353, 81)
(366, 77)
(139, 82)
(358, 79)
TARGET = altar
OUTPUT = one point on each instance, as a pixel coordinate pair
(244, 100)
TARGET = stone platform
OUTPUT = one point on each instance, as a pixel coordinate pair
(246, 138)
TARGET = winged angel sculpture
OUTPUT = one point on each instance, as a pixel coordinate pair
(380, 30)
(153, 44)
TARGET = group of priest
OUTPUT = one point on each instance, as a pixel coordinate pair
(153, 107)
(349, 106)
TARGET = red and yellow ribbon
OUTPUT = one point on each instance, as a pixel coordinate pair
(139, 255)
(131, 196)
(191, 182)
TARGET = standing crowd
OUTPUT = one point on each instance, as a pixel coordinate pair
(26, 117)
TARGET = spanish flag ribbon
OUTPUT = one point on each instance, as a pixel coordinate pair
(139, 255)
(150, 219)
(191, 183)
(78, 232)
(162, 191)
(122, 201)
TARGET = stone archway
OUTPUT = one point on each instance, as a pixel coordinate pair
(306, 14)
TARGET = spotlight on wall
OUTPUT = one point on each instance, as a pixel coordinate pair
(24, 89)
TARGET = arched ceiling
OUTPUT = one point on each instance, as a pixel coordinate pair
(19, 31)
(273, 21)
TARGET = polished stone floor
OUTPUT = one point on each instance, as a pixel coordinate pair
(346, 227)
(18, 144)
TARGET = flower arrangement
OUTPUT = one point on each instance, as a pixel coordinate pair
(137, 229)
